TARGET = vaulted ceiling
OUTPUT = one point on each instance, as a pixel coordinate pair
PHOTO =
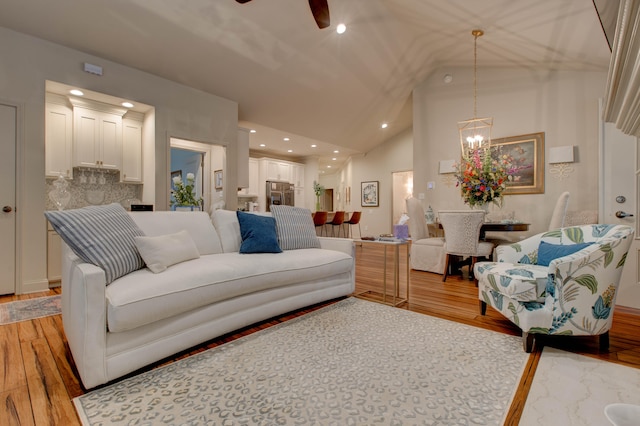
(316, 86)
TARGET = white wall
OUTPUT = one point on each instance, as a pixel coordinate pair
(181, 112)
(395, 155)
(564, 105)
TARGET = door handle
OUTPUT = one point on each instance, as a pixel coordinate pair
(7, 209)
(620, 214)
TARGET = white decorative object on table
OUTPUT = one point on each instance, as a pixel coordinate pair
(623, 414)
(60, 196)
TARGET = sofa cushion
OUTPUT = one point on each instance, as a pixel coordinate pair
(548, 252)
(295, 228)
(258, 234)
(100, 235)
(163, 251)
(228, 228)
(197, 224)
(521, 282)
(143, 297)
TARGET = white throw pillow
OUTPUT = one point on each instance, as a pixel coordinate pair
(165, 250)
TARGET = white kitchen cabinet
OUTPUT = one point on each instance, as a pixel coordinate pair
(254, 180)
(297, 175)
(59, 137)
(299, 197)
(278, 170)
(97, 138)
(132, 148)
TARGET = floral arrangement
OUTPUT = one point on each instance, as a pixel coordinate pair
(482, 178)
(183, 195)
(318, 189)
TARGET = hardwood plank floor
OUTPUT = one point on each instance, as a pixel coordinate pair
(39, 380)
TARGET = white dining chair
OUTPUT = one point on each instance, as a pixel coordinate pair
(462, 236)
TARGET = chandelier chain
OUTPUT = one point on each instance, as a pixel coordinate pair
(475, 74)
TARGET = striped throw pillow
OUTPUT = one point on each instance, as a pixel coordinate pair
(100, 235)
(295, 227)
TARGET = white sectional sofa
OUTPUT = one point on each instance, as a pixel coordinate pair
(141, 317)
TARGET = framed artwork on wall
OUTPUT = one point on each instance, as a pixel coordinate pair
(369, 194)
(217, 179)
(527, 157)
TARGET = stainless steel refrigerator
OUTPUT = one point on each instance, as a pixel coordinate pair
(279, 193)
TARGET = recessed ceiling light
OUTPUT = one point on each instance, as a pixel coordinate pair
(384, 125)
(289, 150)
(252, 131)
(341, 28)
(76, 92)
(127, 104)
(262, 145)
(336, 151)
(334, 158)
(328, 167)
(314, 146)
(286, 139)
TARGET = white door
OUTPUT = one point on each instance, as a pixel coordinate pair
(8, 135)
(618, 198)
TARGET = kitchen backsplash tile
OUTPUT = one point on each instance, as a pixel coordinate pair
(87, 194)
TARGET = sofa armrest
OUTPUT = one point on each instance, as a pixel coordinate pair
(84, 316)
(345, 245)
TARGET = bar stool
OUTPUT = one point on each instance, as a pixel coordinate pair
(319, 220)
(353, 220)
(338, 220)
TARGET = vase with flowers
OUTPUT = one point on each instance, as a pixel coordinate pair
(183, 193)
(482, 177)
(318, 190)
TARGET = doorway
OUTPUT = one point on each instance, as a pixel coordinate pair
(8, 144)
(207, 158)
(185, 162)
(619, 183)
(326, 201)
(402, 188)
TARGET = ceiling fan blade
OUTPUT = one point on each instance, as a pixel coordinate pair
(320, 10)
(243, 1)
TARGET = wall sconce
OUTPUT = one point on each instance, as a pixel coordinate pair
(447, 168)
(560, 159)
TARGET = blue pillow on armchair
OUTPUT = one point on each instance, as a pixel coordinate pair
(258, 234)
(547, 252)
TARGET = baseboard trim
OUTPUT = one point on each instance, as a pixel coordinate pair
(33, 286)
(627, 310)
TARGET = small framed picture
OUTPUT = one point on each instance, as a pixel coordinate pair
(217, 179)
(369, 194)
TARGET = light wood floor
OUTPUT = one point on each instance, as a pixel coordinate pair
(38, 379)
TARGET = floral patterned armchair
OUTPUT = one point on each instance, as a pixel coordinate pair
(574, 295)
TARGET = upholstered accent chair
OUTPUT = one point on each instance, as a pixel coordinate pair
(559, 211)
(462, 236)
(426, 254)
(560, 282)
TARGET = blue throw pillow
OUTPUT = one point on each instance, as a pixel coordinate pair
(258, 234)
(547, 252)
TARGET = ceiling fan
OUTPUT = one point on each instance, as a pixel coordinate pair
(319, 9)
